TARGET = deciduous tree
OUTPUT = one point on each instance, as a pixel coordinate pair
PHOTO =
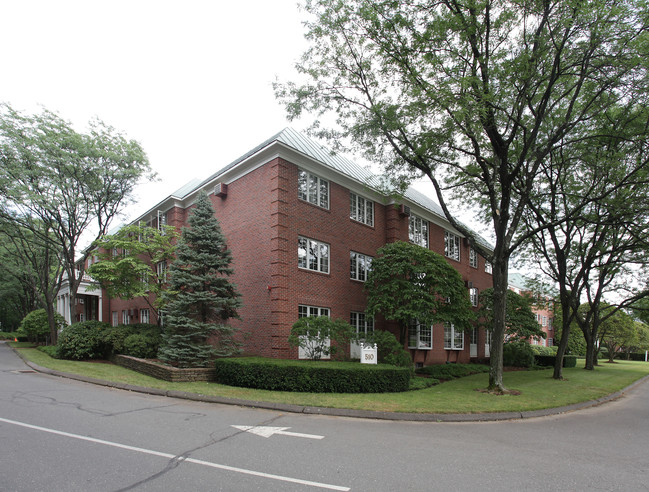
(407, 282)
(73, 183)
(132, 262)
(475, 96)
(520, 321)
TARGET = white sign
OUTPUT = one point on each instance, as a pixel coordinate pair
(270, 431)
(368, 354)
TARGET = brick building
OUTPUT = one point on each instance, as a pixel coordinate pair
(544, 313)
(303, 225)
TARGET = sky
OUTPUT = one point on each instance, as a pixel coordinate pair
(191, 81)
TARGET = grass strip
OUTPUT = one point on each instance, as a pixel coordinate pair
(537, 388)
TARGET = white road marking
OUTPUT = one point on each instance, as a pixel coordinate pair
(265, 431)
(181, 458)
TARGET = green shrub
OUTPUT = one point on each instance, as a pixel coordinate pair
(311, 376)
(8, 335)
(51, 350)
(640, 356)
(35, 326)
(422, 383)
(138, 345)
(541, 350)
(114, 337)
(82, 341)
(452, 371)
(518, 354)
(389, 350)
(569, 361)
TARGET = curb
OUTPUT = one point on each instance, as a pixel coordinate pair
(341, 412)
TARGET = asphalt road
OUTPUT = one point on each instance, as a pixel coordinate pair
(62, 435)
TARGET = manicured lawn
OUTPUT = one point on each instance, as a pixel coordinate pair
(537, 388)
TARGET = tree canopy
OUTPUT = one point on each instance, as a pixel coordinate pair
(476, 96)
(407, 282)
(520, 321)
(129, 259)
(70, 182)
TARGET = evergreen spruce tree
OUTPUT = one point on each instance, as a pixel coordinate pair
(200, 297)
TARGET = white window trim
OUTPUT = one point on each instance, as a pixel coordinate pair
(367, 216)
(367, 323)
(474, 296)
(145, 316)
(322, 261)
(418, 230)
(312, 311)
(421, 343)
(450, 342)
(309, 197)
(359, 270)
(452, 246)
(473, 258)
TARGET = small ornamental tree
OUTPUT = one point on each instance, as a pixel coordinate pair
(520, 322)
(200, 299)
(408, 282)
(129, 261)
(315, 334)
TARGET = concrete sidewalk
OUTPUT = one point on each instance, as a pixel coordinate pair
(7, 355)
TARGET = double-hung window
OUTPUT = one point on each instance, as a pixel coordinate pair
(161, 271)
(473, 295)
(451, 246)
(361, 209)
(487, 267)
(453, 339)
(312, 255)
(418, 231)
(125, 317)
(359, 266)
(473, 258)
(311, 344)
(364, 325)
(420, 336)
(115, 320)
(313, 189)
(145, 316)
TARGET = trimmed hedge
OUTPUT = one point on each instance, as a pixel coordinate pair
(518, 354)
(549, 360)
(452, 371)
(311, 376)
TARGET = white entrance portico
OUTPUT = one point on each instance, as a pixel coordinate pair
(89, 302)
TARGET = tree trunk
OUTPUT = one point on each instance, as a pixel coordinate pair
(563, 343)
(590, 354)
(498, 332)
